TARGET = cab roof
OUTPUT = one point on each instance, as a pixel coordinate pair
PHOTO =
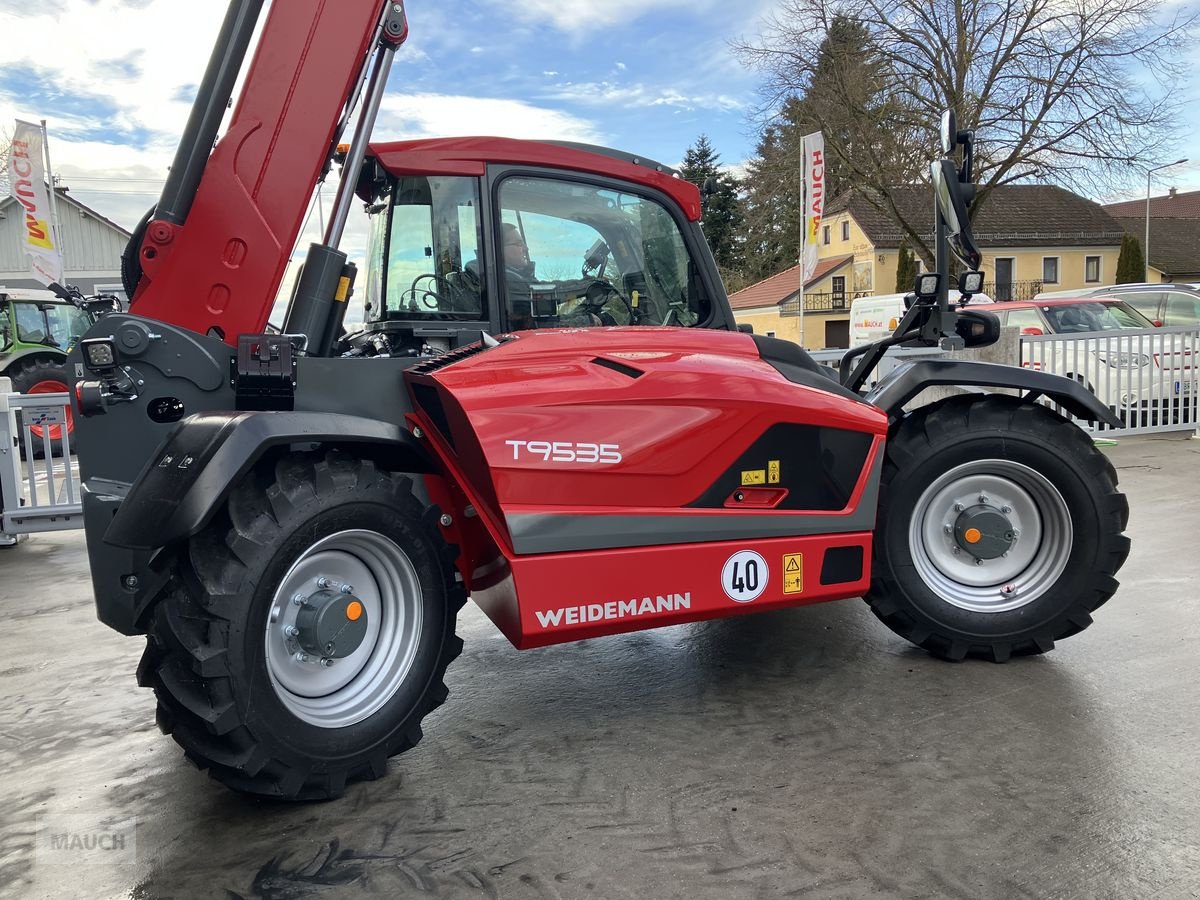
(470, 156)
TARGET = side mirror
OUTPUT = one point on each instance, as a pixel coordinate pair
(977, 329)
(949, 132)
(952, 203)
(1032, 332)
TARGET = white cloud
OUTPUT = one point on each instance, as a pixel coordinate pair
(609, 94)
(408, 116)
(580, 17)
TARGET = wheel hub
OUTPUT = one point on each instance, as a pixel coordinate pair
(331, 624)
(984, 531)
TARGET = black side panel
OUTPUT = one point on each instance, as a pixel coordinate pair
(790, 361)
(195, 467)
(818, 466)
(909, 379)
(842, 565)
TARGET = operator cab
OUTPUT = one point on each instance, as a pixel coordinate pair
(525, 245)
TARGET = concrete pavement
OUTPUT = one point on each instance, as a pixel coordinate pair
(802, 753)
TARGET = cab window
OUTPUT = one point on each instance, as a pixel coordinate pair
(577, 254)
(424, 249)
(54, 324)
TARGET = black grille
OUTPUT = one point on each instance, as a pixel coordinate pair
(446, 359)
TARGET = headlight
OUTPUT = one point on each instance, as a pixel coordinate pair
(1124, 360)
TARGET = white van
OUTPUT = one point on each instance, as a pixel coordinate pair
(874, 318)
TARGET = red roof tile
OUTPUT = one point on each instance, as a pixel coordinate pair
(1169, 206)
(778, 288)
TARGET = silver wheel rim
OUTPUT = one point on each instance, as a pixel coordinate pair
(1040, 522)
(338, 693)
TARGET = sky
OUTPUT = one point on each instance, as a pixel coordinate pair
(114, 78)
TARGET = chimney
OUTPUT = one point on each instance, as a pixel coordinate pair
(1171, 193)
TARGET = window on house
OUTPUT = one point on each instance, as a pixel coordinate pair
(1050, 269)
(825, 234)
(770, 334)
(1091, 269)
(846, 230)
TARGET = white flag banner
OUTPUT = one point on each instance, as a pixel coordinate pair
(27, 177)
(814, 201)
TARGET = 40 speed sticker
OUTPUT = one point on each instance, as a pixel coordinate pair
(744, 576)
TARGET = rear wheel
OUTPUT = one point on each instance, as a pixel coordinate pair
(308, 629)
(44, 376)
(999, 531)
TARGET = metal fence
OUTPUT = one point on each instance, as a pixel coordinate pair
(1148, 378)
(39, 490)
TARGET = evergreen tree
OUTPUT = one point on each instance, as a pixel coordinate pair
(906, 270)
(774, 182)
(722, 217)
(1131, 265)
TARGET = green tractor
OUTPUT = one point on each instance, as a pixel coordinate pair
(37, 330)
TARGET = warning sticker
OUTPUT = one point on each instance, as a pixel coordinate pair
(793, 573)
(773, 472)
(753, 476)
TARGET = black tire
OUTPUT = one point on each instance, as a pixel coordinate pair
(27, 375)
(205, 654)
(974, 432)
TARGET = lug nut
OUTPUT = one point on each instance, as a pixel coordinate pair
(300, 657)
(326, 662)
(1006, 509)
(949, 529)
(958, 507)
(983, 498)
(346, 588)
(291, 631)
(298, 599)
(446, 520)
(978, 562)
(323, 582)
(955, 550)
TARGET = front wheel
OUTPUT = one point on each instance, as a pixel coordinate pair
(308, 630)
(999, 529)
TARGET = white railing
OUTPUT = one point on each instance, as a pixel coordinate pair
(36, 494)
(1147, 378)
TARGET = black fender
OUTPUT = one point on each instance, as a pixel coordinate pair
(194, 469)
(909, 379)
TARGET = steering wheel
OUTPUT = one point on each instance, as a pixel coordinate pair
(598, 295)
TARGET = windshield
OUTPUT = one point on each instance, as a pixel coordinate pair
(54, 324)
(1098, 315)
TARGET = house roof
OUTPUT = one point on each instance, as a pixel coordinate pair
(1169, 206)
(778, 288)
(1174, 243)
(63, 195)
(1014, 215)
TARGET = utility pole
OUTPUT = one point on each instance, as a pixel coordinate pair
(1146, 246)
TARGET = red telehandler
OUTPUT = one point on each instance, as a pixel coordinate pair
(294, 516)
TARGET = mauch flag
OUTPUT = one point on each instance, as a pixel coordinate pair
(27, 176)
(814, 200)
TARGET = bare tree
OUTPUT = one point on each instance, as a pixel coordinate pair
(1054, 89)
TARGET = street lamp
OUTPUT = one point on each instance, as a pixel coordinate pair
(1146, 246)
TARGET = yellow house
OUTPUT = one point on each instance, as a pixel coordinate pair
(772, 306)
(1033, 237)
